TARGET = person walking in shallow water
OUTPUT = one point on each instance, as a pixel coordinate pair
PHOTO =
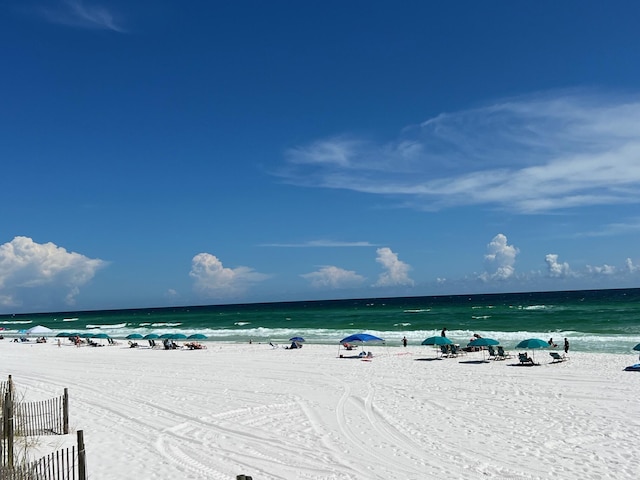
(566, 346)
(443, 333)
(404, 341)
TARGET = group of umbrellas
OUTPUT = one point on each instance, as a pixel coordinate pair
(166, 336)
(528, 344)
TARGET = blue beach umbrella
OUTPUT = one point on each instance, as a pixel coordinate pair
(362, 338)
(296, 339)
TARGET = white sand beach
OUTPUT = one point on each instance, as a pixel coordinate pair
(307, 414)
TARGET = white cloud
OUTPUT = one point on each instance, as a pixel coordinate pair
(396, 271)
(212, 279)
(333, 277)
(528, 154)
(500, 259)
(320, 244)
(80, 14)
(29, 270)
(605, 269)
(556, 269)
(631, 268)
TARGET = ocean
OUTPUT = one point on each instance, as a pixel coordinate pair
(592, 320)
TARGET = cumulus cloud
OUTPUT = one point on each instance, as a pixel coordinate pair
(43, 272)
(631, 268)
(500, 259)
(333, 277)
(80, 14)
(212, 279)
(396, 271)
(529, 154)
(556, 269)
(605, 270)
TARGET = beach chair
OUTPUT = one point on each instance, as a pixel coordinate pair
(557, 357)
(492, 353)
(444, 350)
(502, 354)
(454, 350)
(525, 359)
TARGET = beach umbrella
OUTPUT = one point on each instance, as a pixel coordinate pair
(296, 339)
(361, 337)
(134, 336)
(482, 342)
(197, 336)
(100, 335)
(63, 334)
(86, 335)
(637, 348)
(38, 330)
(438, 340)
(151, 336)
(165, 336)
(533, 344)
(178, 336)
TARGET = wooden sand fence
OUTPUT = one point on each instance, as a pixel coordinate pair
(65, 464)
(48, 417)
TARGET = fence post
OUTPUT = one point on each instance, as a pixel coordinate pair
(8, 406)
(65, 412)
(82, 458)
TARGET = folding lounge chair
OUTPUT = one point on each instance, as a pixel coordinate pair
(525, 359)
(502, 354)
(492, 353)
(557, 357)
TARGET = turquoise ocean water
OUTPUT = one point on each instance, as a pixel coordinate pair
(592, 320)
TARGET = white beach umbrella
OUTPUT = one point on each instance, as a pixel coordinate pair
(38, 330)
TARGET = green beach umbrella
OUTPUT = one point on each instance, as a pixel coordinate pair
(483, 342)
(151, 336)
(533, 344)
(437, 340)
(134, 336)
(166, 336)
(178, 336)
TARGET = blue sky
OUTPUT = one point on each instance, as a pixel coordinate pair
(159, 153)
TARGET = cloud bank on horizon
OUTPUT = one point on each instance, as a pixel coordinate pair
(51, 274)
(531, 154)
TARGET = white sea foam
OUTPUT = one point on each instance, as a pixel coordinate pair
(70, 319)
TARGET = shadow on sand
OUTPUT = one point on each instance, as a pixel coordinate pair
(430, 359)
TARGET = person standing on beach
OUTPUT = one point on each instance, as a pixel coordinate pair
(566, 346)
(443, 333)
(404, 341)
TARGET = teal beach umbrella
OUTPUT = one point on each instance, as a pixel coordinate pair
(438, 340)
(151, 336)
(197, 336)
(134, 336)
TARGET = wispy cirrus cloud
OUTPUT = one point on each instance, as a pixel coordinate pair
(320, 244)
(538, 153)
(80, 14)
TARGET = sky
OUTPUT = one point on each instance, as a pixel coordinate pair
(163, 153)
